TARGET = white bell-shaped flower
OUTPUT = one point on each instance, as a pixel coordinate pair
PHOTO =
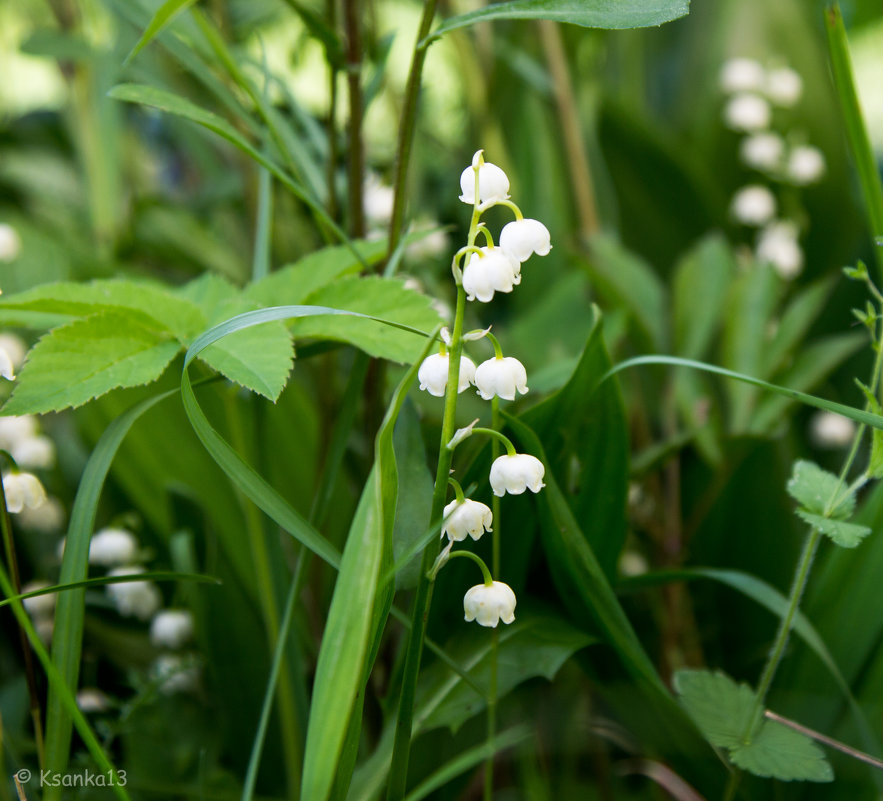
(466, 517)
(779, 247)
(831, 430)
(501, 377)
(753, 205)
(112, 546)
(48, 516)
(34, 452)
(15, 348)
(7, 370)
(10, 242)
(433, 374)
(171, 628)
(492, 184)
(520, 239)
(806, 164)
(516, 473)
(742, 75)
(15, 428)
(488, 605)
(490, 271)
(139, 599)
(762, 151)
(91, 699)
(784, 86)
(747, 112)
(23, 491)
(40, 606)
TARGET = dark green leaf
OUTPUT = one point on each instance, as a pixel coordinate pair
(777, 752)
(721, 708)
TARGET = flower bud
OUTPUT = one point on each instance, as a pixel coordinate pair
(433, 374)
(753, 205)
(489, 605)
(742, 75)
(112, 546)
(492, 184)
(23, 490)
(784, 86)
(171, 628)
(514, 474)
(806, 164)
(762, 151)
(490, 271)
(466, 517)
(779, 247)
(501, 377)
(747, 113)
(520, 239)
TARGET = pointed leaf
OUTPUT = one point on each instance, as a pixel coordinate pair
(777, 752)
(163, 17)
(815, 489)
(720, 708)
(86, 358)
(846, 535)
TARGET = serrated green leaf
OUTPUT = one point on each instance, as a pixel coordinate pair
(87, 358)
(777, 752)
(846, 535)
(720, 708)
(378, 297)
(611, 14)
(294, 283)
(68, 299)
(258, 358)
(815, 488)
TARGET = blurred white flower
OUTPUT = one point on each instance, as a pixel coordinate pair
(139, 599)
(442, 309)
(762, 151)
(631, 563)
(10, 242)
(746, 112)
(501, 377)
(15, 348)
(520, 239)
(175, 673)
(490, 271)
(429, 245)
(7, 370)
(433, 374)
(489, 605)
(783, 86)
(34, 452)
(466, 517)
(514, 474)
(171, 628)
(492, 184)
(742, 75)
(47, 517)
(23, 491)
(41, 605)
(377, 202)
(778, 246)
(14, 429)
(91, 699)
(44, 626)
(112, 546)
(831, 430)
(753, 205)
(806, 164)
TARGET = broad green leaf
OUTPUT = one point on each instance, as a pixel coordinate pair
(73, 364)
(72, 300)
(701, 281)
(374, 297)
(586, 13)
(294, 283)
(532, 646)
(585, 427)
(721, 708)
(631, 283)
(777, 752)
(846, 535)
(258, 357)
(163, 17)
(815, 489)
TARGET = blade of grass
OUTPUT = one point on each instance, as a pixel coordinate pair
(856, 131)
(163, 17)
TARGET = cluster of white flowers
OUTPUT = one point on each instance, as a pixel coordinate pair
(752, 92)
(488, 270)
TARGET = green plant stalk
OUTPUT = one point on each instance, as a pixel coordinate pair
(356, 161)
(801, 575)
(291, 736)
(398, 772)
(260, 267)
(856, 131)
(407, 126)
(15, 580)
(495, 635)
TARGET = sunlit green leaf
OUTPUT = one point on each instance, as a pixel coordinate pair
(846, 535)
(816, 489)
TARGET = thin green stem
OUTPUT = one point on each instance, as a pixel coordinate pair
(407, 127)
(496, 424)
(495, 410)
(856, 131)
(260, 266)
(486, 574)
(356, 163)
(420, 612)
(732, 785)
(458, 490)
(497, 436)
